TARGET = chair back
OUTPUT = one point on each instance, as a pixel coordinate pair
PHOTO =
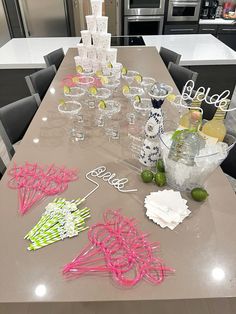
(181, 75)
(39, 82)
(6, 150)
(16, 117)
(54, 58)
(168, 56)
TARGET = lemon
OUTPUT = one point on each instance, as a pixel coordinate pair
(104, 80)
(171, 97)
(125, 89)
(124, 71)
(67, 89)
(102, 104)
(75, 79)
(199, 194)
(99, 73)
(138, 78)
(160, 165)
(93, 90)
(79, 69)
(160, 178)
(137, 98)
(110, 65)
(147, 176)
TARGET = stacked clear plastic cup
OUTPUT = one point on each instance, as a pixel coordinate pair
(91, 23)
(102, 24)
(82, 50)
(96, 7)
(86, 38)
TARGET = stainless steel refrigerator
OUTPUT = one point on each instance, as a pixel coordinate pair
(38, 18)
(4, 31)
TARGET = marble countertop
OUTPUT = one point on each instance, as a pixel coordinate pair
(217, 21)
(196, 49)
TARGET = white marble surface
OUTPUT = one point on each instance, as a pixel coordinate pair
(217, 21)
(28, 52)
(196, 49)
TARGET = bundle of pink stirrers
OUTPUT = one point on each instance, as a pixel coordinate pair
(119, 248)
(34, 182)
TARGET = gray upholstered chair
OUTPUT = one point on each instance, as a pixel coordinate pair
(39, 82)
(168, 56)
(6, 150)
(181, 75)
(54, 58)
(16, 117)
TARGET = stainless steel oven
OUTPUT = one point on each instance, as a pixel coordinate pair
(183, 10)
(144, 7)
(143, 25)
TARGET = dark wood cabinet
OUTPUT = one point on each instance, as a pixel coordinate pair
(227, 34)
(208, 29)
(181, 29)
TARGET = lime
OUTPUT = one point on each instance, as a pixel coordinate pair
(138, 78)
(137, 98)
(79, 69)
(102, 104)
(93, 90)
(75, 79)
(124, 71)
(171, 97)
(125, 89)
(99, 73)
(160, 178)
(62, 102)
(160, 165)
(199, 194)
(110, 66)
(66, 89)
(147, 176)
(104, 80)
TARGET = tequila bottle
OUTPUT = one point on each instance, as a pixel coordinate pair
(187, 143)
(185, 118)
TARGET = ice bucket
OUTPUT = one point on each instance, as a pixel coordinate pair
(183, 177)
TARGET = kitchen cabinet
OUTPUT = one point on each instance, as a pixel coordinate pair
(181, 29)
(208, 29)
(227, 34)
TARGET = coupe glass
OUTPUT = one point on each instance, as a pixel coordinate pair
(143, 107)
(75, 92)
(84, 81)
(112, 107)
(130, 76)
(147, 83)
(133, 91)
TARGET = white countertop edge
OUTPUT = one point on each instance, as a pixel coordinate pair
(217, 21)
(208, 62)
(17, 66)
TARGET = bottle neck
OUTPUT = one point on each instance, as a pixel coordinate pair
(221, 114)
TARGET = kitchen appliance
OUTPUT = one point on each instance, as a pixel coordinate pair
(183, 10)
(209, 9)
(143, 17)
(38, 18)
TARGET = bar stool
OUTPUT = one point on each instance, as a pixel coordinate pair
(39, 82)
(168, 56)
(6, 150)
(181, 75)
(54, 58)
(16, 117)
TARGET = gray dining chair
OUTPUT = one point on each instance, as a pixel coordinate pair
(168, 56)
(16, 116)
(181, 75)
(6, 150)
(39, 82)
(54, 58)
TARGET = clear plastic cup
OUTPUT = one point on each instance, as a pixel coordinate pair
(82, 51)
(105, 40)
(111, 55)
(96, 7)
(86, 38)
(102, 24)
(91, 23)
(101, 55)
(96, 39)
(91, 52)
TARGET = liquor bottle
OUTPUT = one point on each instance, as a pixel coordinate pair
(187, 142)
(184, 119)
(215, 129)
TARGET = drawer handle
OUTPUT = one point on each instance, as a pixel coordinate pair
(181, 29)
(229, 29)
(208, 29)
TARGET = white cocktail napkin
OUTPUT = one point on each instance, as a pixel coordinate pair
(166, 208)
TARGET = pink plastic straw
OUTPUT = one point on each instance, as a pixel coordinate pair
(125, 251)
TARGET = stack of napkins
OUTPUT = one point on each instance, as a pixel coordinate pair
(166, 208)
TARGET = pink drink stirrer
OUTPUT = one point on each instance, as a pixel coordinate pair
(121, 250)
(35, 182)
